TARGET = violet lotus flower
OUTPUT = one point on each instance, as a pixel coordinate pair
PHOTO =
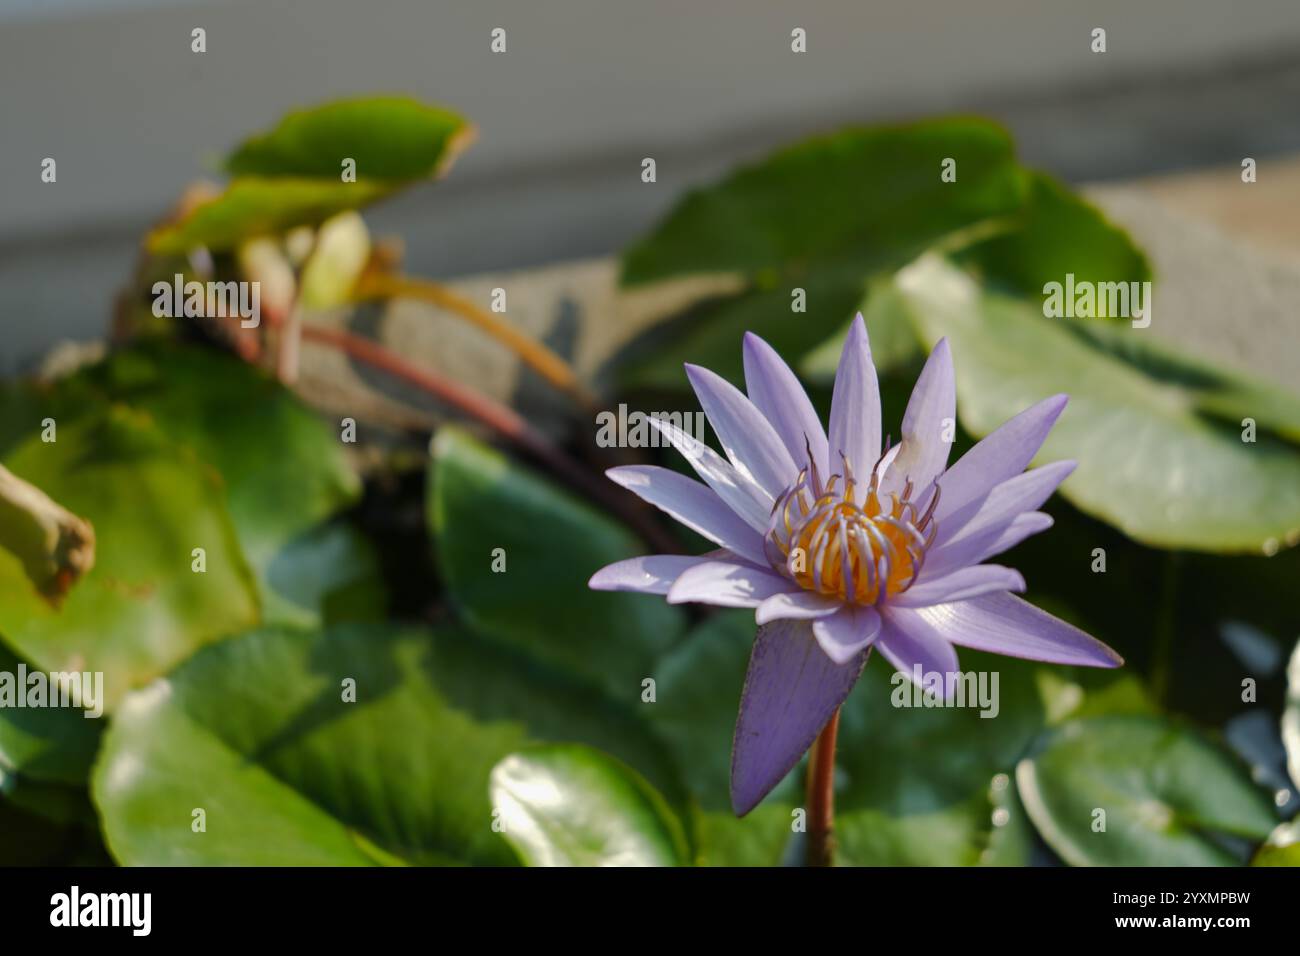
(842, 546)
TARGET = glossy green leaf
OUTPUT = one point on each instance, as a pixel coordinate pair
(516, 552)
(567, 805)
(283, 467)
(389, 137)
(257, 731)
(821, 216)
(1153, 460)
(141, 609)
(1169, 796)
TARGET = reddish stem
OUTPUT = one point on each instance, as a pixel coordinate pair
(501, 419)
(821, 795)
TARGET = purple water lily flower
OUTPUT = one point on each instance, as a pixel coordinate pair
(842, 547)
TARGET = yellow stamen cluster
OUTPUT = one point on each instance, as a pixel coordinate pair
(847, 542)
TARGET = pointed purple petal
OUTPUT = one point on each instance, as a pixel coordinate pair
(1003, 454)
(955, 548)
(960, 585)
(726, 584)
(747, 437)
(741, 494)
(776, 393)
(931, 412)
(855, 405)
(908, 640)
(694, 505)
(801, 605)
(847, 631)
(649, 574)
(1004, 624)
(791, 690)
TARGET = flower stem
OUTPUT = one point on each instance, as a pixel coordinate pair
(532, 353)
(821, 796)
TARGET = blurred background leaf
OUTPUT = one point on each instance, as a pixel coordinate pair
(141, 609)
(293, 174)
(1148, 462)
(283, 469)
(1169, 797)
(822, 215)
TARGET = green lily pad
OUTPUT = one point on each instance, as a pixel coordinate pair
(1169, 797)
(283, 467)
(566, 805)
(256, 732)
(1145, 425)
(516, 553)
(142, 608)
(822, 215)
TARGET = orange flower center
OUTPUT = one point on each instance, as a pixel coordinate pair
(846, 542)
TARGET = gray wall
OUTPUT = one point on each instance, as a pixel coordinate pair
(587, 87)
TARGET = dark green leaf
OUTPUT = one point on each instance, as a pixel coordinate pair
(858, 195)
(517, 551)
(1058, 233)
